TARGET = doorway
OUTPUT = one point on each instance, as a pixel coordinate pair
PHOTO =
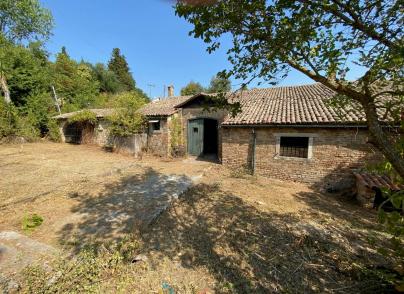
(203, 137)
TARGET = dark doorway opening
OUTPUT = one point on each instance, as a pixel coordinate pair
(73, 132)
(210, 138)
(79, 133)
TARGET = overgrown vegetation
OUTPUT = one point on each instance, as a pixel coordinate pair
(86, 272)
(83, 116)
(27, 75)
(126, 119)
(176, 138)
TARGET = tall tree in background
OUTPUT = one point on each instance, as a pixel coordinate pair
(320, 39)
(192, 88)
(74, 82)
(219, 84)
(120, 67)
(108, 80)
(21, 20)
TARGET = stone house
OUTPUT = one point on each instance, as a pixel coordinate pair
(289, 133)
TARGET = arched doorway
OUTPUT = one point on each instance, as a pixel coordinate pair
(203, 137)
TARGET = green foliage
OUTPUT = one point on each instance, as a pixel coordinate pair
(192, 88)
(84, 116)
(127, 120)
(108, 80)
(14, 124)
(85, 273)
(24, 19)
(219, 84)
(29, 223)
(53, 133)
(120, 67)
(176, 138)
(75, 83)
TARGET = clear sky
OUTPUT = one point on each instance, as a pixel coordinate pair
(154, 40)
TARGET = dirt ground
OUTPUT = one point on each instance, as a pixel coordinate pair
(230, 233)
(78, 189)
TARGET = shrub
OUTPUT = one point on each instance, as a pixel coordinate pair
(53, 131)
(15, 124)
(177, 148)
(127, 120)
(29, 223)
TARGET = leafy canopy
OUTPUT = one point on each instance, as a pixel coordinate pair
(24, 19)
(219, 84)
(192, 88)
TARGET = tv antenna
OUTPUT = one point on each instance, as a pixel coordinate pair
(150, 89)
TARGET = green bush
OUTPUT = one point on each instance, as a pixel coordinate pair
(127, 120)
(53, 131)
(31, 222)
(15, 124)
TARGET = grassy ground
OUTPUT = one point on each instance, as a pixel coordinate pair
(231, 233)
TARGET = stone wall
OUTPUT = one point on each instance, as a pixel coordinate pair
(158, 141)
(335, 153)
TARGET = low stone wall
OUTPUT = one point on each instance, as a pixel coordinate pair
(133, 145)
(335, 154)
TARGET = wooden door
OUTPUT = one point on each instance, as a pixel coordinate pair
(195, 137)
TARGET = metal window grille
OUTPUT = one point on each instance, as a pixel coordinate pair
(294, 147)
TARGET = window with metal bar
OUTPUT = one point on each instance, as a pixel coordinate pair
(294, 147)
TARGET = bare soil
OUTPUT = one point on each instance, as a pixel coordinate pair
(230, 233)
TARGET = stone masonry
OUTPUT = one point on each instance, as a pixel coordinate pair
(336, 152)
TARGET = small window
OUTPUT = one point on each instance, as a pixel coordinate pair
(294, 147)
(154, 125)
(195, 130)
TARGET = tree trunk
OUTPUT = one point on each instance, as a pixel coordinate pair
(381, 139)
(4, 88)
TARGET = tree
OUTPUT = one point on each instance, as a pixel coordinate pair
(219, 84)
(107, 79)
(120, 67)
(21, 20)
(192, 88)
(320, 39)
(74, 82)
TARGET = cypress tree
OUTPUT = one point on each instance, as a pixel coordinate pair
(120, 67)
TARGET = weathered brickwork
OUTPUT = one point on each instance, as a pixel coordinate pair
(336, 152)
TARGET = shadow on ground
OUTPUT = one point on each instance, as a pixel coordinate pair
(122, 208)
(250, 251)
(245, 249)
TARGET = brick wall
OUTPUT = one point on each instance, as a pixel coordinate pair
(335, 153)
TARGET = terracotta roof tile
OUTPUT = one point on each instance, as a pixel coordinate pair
(163, 107)
(308, 104)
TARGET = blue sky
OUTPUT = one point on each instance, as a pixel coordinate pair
(155, 41)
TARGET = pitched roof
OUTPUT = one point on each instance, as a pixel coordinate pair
(293, 105)
(163, 107)
(99, 112)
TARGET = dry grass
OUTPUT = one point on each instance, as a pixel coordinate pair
(229, 234)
